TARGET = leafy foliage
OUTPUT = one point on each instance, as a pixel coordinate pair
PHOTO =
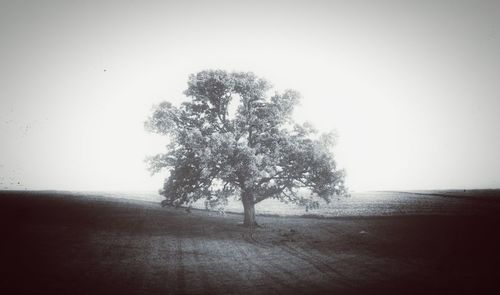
(257, 153)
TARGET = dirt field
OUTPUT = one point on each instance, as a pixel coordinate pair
(62, 243)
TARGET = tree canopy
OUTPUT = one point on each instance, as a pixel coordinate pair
(230, 138)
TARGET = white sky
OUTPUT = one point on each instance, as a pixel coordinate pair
(411, 87)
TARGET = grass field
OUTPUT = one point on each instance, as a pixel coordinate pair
(384, 242)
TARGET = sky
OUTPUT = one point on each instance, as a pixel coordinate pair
(411, 88)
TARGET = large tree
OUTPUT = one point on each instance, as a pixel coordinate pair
(231, 139)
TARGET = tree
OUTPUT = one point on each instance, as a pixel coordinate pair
(231, 139)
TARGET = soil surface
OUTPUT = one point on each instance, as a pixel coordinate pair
(62, 243)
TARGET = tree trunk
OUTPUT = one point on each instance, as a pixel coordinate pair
(249, 209)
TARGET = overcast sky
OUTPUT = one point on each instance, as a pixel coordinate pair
(412, 88)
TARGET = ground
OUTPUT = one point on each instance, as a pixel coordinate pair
(66, 243)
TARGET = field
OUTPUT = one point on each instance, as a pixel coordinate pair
(381, 242)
